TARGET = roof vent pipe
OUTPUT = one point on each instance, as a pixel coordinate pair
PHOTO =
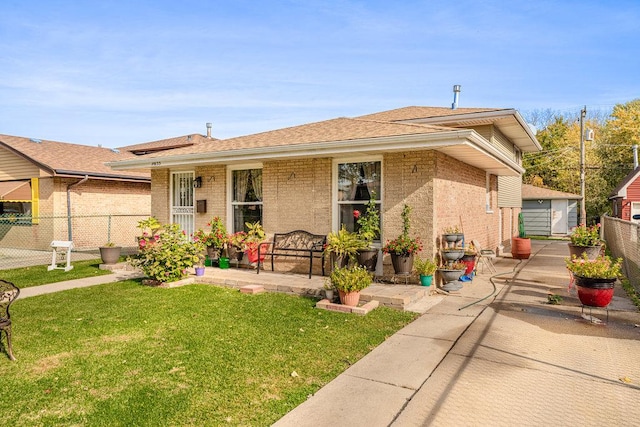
(209, 130)
(456, 94)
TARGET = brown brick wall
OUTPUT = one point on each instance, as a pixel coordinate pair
(160, 180)
(460, 199)
(408, 178)
(297, 195)
(214, 191)
(91, 204)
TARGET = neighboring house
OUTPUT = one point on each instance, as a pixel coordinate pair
(625, 198)
(452, 166)
(58, 191)
(549, 212)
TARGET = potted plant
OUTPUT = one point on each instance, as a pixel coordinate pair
(425, 269)
(452, 235)
(167, 255)
(329, 289)
(469, 258)
(368, 231)
(349, 281)
(255, 236)
(450, 274)
(595, 278)
(521, 245)
(199, 265)
(110, 253)
(214, 239)
(403, 247)
(235, 245)
(342, 247)
(585, 240)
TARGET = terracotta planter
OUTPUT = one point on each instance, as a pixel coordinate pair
(402, 264)
(591, 251)
(110, 254)
(350, 299)
(594, 292)
(368, 258)
(520, 247)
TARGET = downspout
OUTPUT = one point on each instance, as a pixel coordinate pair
(69, 187)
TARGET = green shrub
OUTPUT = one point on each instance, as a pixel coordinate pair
(167, 255)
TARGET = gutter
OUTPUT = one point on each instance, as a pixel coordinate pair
(69, 187)
(326, 149)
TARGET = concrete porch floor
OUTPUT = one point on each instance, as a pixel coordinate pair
(408, 297)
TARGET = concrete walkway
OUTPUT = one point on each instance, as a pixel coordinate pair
(508, 360)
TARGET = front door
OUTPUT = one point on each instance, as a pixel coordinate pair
(182, 203)
(559, 220)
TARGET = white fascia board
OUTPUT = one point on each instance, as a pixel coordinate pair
(325, 149)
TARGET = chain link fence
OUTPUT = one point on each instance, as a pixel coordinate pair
(623, 239)
(26, 241)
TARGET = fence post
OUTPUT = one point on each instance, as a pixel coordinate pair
(109, 229)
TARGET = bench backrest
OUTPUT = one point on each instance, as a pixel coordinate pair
(298, 239)
(8, 293)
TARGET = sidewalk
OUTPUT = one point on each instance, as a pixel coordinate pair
(509, 360)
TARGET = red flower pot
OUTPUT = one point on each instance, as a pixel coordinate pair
(595, 292)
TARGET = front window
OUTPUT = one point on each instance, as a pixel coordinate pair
(246, 196)
(357, 184)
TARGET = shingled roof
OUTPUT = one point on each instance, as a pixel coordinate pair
(416, 112)
(167, 144)
(531, 192)
(340, 129)
(65, 159)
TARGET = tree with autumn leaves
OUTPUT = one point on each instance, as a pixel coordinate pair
(609, 157)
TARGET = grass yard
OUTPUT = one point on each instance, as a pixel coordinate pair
(25, 277)
(123, 354)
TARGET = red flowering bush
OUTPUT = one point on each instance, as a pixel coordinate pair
(216, 237)
(403, 244)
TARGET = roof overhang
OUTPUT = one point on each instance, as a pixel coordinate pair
(15, 191)
(508, 121)
(465, 145)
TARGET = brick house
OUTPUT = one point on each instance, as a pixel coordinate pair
(625, 198)
(452, 166)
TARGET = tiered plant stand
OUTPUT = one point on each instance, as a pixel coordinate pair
(450, 254)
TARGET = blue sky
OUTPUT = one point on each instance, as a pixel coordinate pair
(124, 72)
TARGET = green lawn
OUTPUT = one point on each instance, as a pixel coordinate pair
(25, 277)
(125, 354)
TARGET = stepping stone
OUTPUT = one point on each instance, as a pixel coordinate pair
(252, 289)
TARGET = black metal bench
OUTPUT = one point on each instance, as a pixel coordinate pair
(8, 294)
(298, 243)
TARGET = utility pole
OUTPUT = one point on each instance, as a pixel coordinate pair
(583, 209)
